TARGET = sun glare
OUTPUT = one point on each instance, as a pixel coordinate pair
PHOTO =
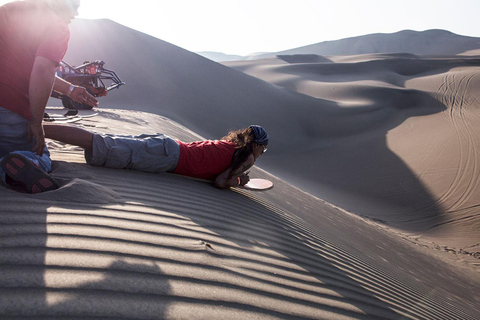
(243, 27)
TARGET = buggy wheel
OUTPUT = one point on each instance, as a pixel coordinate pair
(70, 104)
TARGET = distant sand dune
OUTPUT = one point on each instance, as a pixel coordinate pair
(411, 158)
(428, 42)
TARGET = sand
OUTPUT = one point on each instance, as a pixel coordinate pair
(374, 213)
(405, 150)
(119, 243)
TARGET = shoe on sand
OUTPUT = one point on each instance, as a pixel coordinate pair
(22, 170)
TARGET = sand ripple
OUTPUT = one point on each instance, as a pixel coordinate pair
(177, 248)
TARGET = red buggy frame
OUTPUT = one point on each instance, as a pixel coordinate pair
(89, 75)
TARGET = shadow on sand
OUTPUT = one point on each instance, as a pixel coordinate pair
(192, 249)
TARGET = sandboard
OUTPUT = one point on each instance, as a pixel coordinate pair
(258, 184)
(61, 116)
(79, 113)
(255, 184)
(59, 112)
(57, 119)
(87, 113)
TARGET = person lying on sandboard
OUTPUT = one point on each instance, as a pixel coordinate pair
(223, 161)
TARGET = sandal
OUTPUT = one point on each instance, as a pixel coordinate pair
(20, 169)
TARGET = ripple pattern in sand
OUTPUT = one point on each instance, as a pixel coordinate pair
(181, 249)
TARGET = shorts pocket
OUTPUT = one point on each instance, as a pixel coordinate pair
(119, 158)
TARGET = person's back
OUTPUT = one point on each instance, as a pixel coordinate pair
(27, 30)
(205, 159)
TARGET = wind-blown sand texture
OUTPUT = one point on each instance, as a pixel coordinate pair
(402, 147)
(124, 244)
(386, 146)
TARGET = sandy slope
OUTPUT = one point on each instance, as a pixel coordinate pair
(125, 244)
(410, 160)
(348, 129)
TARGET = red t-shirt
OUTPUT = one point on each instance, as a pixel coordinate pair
(205, 159)
(26, 31)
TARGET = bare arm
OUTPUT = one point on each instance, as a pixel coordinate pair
(223, 181)
(40, 87)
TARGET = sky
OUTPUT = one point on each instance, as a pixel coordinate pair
(242, 27)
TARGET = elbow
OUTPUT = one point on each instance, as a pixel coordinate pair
(220, 185)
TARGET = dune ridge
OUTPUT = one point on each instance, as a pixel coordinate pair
(427, 42)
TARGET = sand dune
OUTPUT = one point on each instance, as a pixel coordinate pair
(385, 144)
(428, 42)
(410, 159)
(119, 243)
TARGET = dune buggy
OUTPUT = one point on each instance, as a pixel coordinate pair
(89, 75)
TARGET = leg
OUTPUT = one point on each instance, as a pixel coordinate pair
(71, 135)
